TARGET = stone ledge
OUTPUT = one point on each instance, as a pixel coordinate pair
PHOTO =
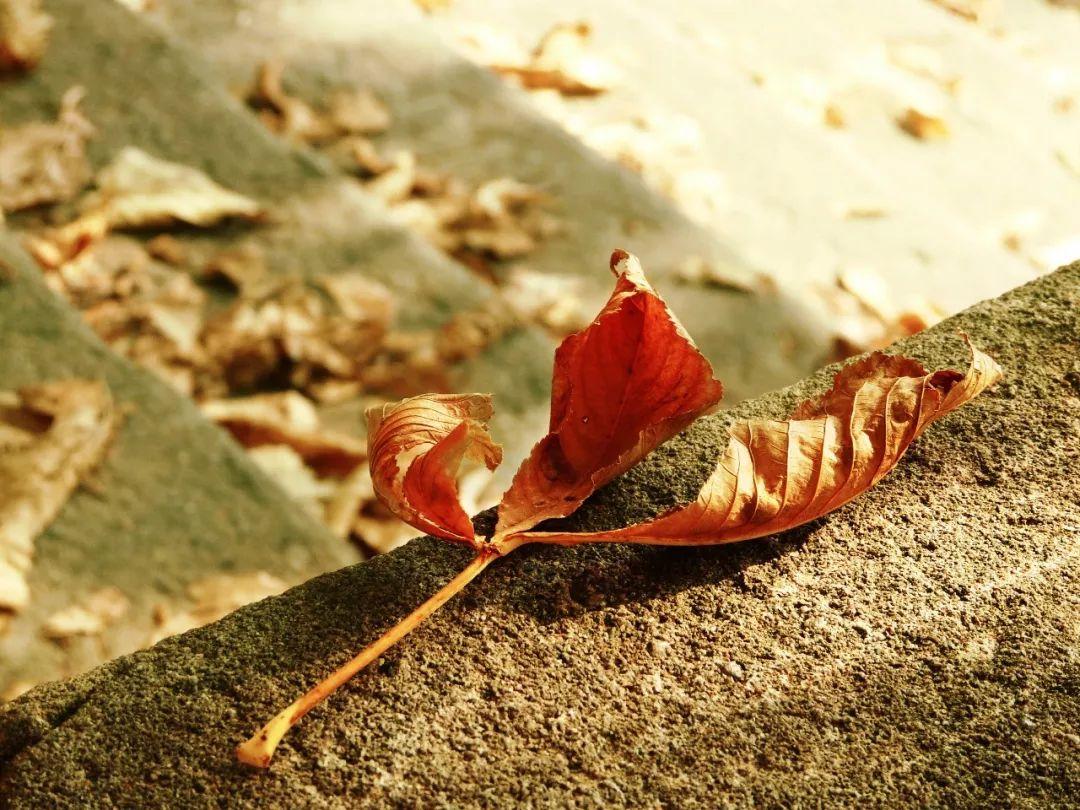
(917, 646)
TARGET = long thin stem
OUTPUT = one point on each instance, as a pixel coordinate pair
(260, 748)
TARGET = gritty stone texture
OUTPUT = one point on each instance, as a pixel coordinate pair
(918, 647)
(174, 501)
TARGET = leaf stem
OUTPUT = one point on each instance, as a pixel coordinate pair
(259, 749)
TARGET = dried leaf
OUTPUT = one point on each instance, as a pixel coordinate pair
(416, 447)
(168, 249)
(551, 301)
(562, 62)
(24, 34)
(289, 419)
(89, 617)
(626, 383)
(288, 470)
(351, 111)
(776, 475)
(296, 334)
(45, 163)
(287, 115)
(242, 267)
(137, 190)
(925, 127)
(345, 504)
(358, 112)
(51, 436)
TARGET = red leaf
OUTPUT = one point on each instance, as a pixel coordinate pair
(415, 448)
(626, 383)
(775, 475)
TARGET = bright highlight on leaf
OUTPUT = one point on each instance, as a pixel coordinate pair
(415, 449)
(623, 385)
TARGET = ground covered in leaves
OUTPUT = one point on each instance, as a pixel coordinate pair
(917, 646)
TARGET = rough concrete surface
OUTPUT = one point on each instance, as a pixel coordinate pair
(919, 647)
(175, 501)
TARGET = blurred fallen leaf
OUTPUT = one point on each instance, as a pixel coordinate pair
(24, 34)
(288, 470)
(834, 117)
(51, 436)
(88, 617)
(45, 163)
(562, 62)
(138, 190)
(866, 317)
(293, 332)
(922, 126)
(167, 248)
(357, 112)
(242, 267)
(288, 419)
(550, 301)
(350, 111)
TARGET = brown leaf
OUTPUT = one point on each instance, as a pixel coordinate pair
(288, 419)
(287, 115)
(45, 163)
(626, 383)
(24, 34)
(350, 111)
(138, 190)
(416, 447)
(776, 475)
(51, 436)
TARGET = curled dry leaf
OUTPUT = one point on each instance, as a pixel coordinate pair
(51, 436)
(626, 383)
(24, 34)
(45, 163)
(775, 475)
(138, 190)
(621, 386)
(416, 447)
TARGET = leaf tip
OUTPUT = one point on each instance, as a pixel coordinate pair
(617, 256)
